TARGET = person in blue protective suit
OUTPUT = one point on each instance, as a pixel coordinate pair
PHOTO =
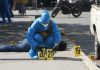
(43, 33)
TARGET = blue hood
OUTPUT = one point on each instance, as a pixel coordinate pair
(45, 17)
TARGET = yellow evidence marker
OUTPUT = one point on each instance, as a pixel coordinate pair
(41, 54)
(49, 54)
(12, 43)
(91, 56)
(77, 51)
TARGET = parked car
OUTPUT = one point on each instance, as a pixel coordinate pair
(95, 26)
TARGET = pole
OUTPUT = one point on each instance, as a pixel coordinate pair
(36, 4)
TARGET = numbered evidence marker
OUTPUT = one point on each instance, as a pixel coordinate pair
(12, 43)
(49, 54)
(92, 56)
(77, 51)
(41, 54)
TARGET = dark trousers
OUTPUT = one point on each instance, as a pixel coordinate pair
(21, 47)
(4, 7)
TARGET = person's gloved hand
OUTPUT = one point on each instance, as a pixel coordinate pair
(55, 47)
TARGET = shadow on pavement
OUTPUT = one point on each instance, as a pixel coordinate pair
(79, 34)
(25, 59)
(14, 59)
(67, 58)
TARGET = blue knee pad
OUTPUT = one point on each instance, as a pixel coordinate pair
(38, 38)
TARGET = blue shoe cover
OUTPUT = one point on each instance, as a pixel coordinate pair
(33, 54)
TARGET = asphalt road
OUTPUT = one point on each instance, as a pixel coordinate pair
(77, 30)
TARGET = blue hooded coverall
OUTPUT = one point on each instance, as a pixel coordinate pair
(35, 39)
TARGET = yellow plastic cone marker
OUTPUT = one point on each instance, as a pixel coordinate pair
(49, 54)
(41, 54)
(77, 51)
(91, 56)
(12, 43)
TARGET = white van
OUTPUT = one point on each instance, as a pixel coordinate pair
(95, 26)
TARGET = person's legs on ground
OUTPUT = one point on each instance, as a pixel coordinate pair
(24, 45)
(5, 48)
(10, 48)
(20, 47)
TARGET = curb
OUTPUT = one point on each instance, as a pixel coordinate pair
(90, 64)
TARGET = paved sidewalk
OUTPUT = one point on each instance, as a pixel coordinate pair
(62, 61)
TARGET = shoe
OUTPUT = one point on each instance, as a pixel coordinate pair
(35, 57)
(4, 21)
(9, 21)
(33, 54)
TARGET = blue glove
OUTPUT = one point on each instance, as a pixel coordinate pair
(55, 47)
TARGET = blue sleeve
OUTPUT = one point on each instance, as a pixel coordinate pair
(30, 33)
(56, 33)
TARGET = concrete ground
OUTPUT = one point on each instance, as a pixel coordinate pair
(62, 61)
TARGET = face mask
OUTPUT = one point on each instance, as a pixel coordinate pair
(45, 25)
